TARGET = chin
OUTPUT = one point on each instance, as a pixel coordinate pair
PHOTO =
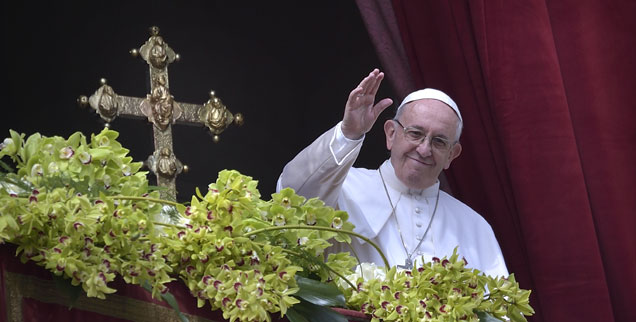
(415, 182)
(418, 180)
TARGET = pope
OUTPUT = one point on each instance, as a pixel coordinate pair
(399, 206)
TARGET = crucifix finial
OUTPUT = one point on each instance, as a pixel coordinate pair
(161, 109)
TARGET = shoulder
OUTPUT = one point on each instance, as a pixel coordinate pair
(461, 211)
(363, 172)
(361, 177)
(361, 187)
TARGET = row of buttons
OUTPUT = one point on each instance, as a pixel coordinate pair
(417, 222)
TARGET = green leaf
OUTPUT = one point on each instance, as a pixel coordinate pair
(6, 167)
(100, 153)
(515, 315)
(12, 183)
(305, 311)
(32, 145)
(198, 193)
(168, 298)
(295, 316)
(319, 293)
(486, 317)
(74, 140)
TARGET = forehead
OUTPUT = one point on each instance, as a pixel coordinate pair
(430, 114)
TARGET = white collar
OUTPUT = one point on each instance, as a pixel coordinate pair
(395, 183)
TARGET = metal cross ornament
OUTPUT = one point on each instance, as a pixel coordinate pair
(408, 264)
(160, 108)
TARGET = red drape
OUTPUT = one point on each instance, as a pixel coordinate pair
(379, 19)
(547, 91)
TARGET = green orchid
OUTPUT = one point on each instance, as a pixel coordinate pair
(83, 210)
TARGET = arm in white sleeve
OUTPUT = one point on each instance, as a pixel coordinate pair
(320, 169)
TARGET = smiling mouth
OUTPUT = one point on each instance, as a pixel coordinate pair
(420, 161)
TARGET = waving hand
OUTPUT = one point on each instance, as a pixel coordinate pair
(360, 112)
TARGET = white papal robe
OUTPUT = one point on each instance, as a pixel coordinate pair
(325, 170)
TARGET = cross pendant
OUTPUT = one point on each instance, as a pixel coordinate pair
(408, 264)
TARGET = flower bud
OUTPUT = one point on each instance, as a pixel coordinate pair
(336, 223)
(126, 170)
(9, 146)
(279, 220)
(103, 141)
(66, 153)
(106, 179)
(85, 158)
(37, 170)
(310, 219)
(53, 168)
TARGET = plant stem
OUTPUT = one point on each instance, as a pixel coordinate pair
(168, 225)
(353, 287)
(274, 228)
(161, 201)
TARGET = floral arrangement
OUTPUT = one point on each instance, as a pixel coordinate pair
(84, 211)
(442, 290)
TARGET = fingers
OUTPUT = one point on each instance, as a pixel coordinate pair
(372, 81)
(369, 81)
(368, 86)
(381, 106)
(355, 93)
(376, 84)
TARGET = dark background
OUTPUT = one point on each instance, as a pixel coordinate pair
(287, 67)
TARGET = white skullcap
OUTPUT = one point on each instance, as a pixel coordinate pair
(432, 94)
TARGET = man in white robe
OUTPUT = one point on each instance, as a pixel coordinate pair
(398, 206)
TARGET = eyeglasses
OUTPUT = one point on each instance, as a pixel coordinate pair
(417, 136)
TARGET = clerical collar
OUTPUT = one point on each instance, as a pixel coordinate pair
(395, 183)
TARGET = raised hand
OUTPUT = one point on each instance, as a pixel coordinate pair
(360, 112)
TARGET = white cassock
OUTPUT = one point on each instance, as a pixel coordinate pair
(324, 170)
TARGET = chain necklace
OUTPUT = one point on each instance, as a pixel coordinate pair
(408, 262)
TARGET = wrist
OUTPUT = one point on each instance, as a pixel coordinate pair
(347, 134)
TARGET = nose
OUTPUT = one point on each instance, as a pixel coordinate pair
(424, 148)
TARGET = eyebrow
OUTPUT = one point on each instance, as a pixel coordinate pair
(424, 130)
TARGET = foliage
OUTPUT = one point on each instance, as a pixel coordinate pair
(442, 290)
(58, 208)
(84, 211)
(223, 260)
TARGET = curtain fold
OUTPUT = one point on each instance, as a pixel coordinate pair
(379, 19)
(597, 54)
(546, 89)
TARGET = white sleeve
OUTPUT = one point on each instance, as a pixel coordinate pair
(320, 169)
(341, 147)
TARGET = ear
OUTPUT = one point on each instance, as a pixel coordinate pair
(389, 132)
(455, 151)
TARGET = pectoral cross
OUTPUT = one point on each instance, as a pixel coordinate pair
(160, 108)
(408, 264)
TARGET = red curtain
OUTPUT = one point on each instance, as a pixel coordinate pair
(379, 19)
(547, 91)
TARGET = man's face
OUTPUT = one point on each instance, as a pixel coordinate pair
(419, 165)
